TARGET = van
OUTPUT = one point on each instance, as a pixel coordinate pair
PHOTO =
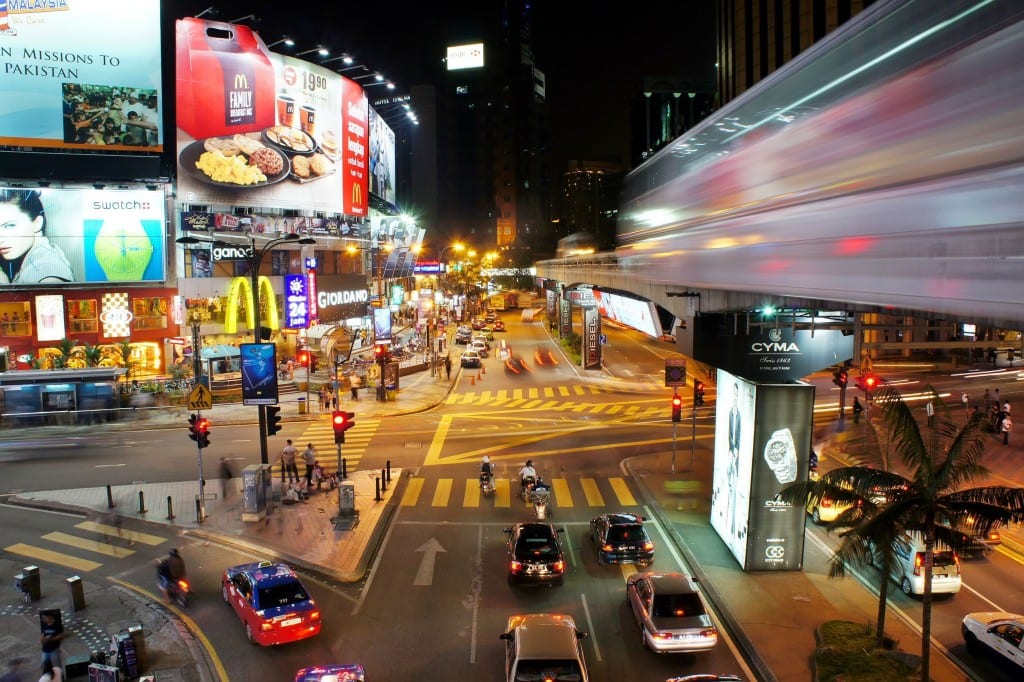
(907, 565)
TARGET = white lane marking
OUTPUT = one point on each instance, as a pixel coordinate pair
(476, 588)
(376, 563)
(107, 466)
(590, 627)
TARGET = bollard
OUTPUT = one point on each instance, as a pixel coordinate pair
(170, 508)
(199, 510)
(110, 498)
(28, 583)
(376, 486)
(383, 479)
(142, 502)
(344, 468)
(389, 470)
(76, 593)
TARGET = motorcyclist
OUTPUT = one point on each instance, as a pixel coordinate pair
(486, 474)
(527, 472)
(170, 571)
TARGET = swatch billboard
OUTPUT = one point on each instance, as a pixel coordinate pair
(81, 75)
(261, 129)
(56, 236)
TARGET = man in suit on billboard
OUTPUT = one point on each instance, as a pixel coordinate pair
(732, 477)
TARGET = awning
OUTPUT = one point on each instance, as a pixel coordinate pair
(219, 351)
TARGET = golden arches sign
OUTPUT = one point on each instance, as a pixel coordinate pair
(240, 286)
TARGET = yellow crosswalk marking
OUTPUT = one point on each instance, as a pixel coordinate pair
(622, 491)
(579, 390)
(517, 394)
(471, 498)
(532, 404)
(502, 493)
(412, 492)
(549, 392)
(49, 556)
(563, 391)
(563, 498)
(614, 409)
(124, 534)
(591, 492)
(442, 493)
(90, 545)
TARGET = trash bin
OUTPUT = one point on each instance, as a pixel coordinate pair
(392, 392)
(28, 583)
(302, 406)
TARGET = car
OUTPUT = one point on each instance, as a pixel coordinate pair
(907, 565)
(621, 539)
(498, 326)
(544, 646)
(670, 612)
(463, 337)
(825, 509)
(271, 602)
(480, 346)
(490, 317)
(470, 358)
(997, 634)
(971, 545)
(535, 554)
(706, 677)
(477, 324)
(486, 333)
(332, 673)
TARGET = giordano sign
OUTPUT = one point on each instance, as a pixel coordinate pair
(240, 287)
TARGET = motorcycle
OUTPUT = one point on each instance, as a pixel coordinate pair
(486, 484)
(179, 591)
(528, 483)
(541, 498)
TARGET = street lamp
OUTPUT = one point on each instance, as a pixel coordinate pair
(255, 259)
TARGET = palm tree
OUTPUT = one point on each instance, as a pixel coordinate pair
(931, 499)
(93, 355)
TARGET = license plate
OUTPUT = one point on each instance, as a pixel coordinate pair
(291, 621)
(536, 569)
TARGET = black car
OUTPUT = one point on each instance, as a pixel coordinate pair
(535, 554)
(621, 539)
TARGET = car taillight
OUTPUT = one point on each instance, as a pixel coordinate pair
(266, 626)
(515, 566)
(648, 546)
(956, 561)
(917, 563)
(709, 632)
(661, 635)
(314, 615)
(558, 566)
(993, 536)
(606, 548)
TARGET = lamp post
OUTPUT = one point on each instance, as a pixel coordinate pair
(255, 259)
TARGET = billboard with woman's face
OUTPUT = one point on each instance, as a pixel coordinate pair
(55, 236)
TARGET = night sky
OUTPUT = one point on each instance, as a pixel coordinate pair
(594, 55)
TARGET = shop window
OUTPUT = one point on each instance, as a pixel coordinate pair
(149, 313)
(83, 317)
(15, 319)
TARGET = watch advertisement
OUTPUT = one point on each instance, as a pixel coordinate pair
(57, 236)
(762, 438)
(81, 75)
(259, 373)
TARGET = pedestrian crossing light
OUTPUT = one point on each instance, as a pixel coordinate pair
(677, 408)
(203, 432)
(342, 422)
(698, 394)
(193, 432)
(273, 419)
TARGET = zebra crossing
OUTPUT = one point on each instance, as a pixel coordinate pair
(555, 398)
(321, 434)
(93, 541)
(583, 491)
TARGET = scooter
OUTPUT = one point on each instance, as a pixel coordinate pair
(486, 484)
(541, 498)
(528, 483)
(177, 591)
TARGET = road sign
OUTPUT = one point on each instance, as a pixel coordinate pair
(675, 372)
(603, 339)
(200, 398)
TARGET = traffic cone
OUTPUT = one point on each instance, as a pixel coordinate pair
(483, 369)
(472, 380)
(479, 376)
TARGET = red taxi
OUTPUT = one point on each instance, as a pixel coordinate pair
(272, 603)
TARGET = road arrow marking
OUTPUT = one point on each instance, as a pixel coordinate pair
(425, 573)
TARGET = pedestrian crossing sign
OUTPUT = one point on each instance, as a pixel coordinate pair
(200, 398)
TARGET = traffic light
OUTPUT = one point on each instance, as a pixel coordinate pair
(698, 394)
(870, 382)
(677, 408)
(273, 419)
(379, 352)
(203, 432)
(840, 378)
(342, 422)
(193, 432)
(303, 358)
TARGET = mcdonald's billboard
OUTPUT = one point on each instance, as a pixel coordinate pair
(240, 296)
(265, 130)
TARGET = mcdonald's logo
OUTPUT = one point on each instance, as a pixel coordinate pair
(357, 194)
(241, 81)
(240, 286)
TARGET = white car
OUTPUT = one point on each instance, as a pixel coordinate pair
(543, 646)
(470, 358)
(998, 634)
(671, 613)
(480, 347)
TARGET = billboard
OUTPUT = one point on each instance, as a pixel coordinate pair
(341, 297)
(762, 439)
(296, 302)
(265, 130)
(56, 236)
(633, 312)
(382, 325)
(382, 158)
(259, 373)
(81, 75)
(469, 56)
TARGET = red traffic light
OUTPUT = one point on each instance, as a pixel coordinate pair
(303, 358)
(677, 401)
(202, 425)
(871, 381)
(378, 352)
(342, 422)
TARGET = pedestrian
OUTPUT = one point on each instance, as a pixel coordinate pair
(447, 367)
(857, 409)
(309, 457)
(52, 673)
(288, 467)
(929, 409)
(1006, 407)
(13, 673)
(987, 399)
(52, 633)
(225, 478)
(354, 382)
(334, 402)
(1006, 427)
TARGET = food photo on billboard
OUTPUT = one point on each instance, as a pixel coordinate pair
(53, 236)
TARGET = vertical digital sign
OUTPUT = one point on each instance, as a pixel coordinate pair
(259, 373)
(296, 302)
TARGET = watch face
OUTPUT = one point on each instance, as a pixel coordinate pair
(123, 251)
(780, 454)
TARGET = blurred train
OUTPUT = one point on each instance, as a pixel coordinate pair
(883, 167)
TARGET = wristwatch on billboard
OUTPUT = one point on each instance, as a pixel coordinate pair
(780, 453)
